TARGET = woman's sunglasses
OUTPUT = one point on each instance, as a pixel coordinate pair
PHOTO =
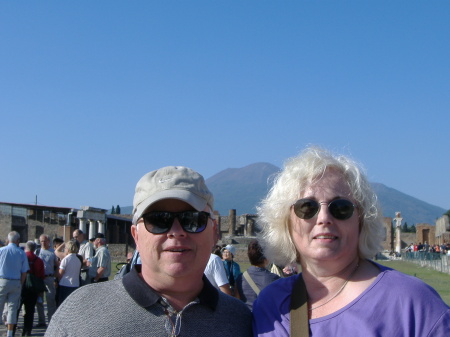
(340, 209)
(160, 222)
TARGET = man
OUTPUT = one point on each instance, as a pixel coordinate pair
(86, 251)
(13, 271)
(167, 295)
(51, 264)
(215, 272)
(101, 263)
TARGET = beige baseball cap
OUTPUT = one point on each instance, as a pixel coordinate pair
(171, 182)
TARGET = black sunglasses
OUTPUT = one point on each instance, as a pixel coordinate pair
(341, 209)
(158, 222)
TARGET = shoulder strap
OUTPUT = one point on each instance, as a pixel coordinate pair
(251, 283)
(299, 309)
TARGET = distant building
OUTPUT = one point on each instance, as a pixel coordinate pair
(30, 221)
(443, 229)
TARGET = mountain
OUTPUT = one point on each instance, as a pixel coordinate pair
(243, 188)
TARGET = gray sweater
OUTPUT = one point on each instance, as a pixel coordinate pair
(129, 307)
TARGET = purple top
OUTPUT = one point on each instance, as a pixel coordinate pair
(395, 304)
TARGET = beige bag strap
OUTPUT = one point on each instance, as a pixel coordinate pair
(251, 283)
(299, 309)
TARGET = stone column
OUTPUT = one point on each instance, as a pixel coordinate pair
(398, 224)
(250, 225)
(101, 226)
(92, 228)
(232, 222)
(82, 225)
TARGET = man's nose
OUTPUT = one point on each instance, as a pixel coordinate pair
(176, 229)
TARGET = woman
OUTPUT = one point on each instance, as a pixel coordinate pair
(69, 271)
(232, 269)
(322, 213)
(256, 277)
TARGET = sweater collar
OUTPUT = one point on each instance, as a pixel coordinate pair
(145, 296)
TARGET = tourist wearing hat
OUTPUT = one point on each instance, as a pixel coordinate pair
(232, 268)
(100, 266)
(167, 295)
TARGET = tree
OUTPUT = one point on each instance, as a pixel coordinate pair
(118, 209)
(405, 228)
(113, 210)
(412, 229)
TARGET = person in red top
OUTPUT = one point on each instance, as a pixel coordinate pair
(28, 298)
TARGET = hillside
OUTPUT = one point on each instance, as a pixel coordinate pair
(413, 210)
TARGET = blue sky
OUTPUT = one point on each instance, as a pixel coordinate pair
(94, 94)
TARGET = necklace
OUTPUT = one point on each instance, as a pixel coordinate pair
(339, 291)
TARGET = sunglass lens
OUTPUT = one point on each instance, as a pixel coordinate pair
(341, 209)
(306, 208)
(194, 222)
(158, 222)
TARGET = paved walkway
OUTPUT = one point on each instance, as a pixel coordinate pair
(35, 332)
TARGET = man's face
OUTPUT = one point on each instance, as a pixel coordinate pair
(45, 243)
(175, 254)
(78, 236)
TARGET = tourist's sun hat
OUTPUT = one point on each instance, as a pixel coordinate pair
(171, 182)
(230, 248)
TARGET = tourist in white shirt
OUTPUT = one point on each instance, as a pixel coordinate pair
(69, 271)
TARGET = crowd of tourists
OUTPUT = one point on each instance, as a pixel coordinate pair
(443, 248)
(321, 214)
(41, 273)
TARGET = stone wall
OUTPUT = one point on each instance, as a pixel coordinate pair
(407, 239)
(443, 229)
(119, 251)
(237, 225)
(425, 232)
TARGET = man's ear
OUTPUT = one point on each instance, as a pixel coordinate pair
(134, 233)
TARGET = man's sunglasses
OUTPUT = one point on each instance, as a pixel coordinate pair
(157, 222)
(340, 209)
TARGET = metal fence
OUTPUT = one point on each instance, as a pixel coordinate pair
(436, 261)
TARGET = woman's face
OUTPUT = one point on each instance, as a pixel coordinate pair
(226, 255)
(324, 238)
